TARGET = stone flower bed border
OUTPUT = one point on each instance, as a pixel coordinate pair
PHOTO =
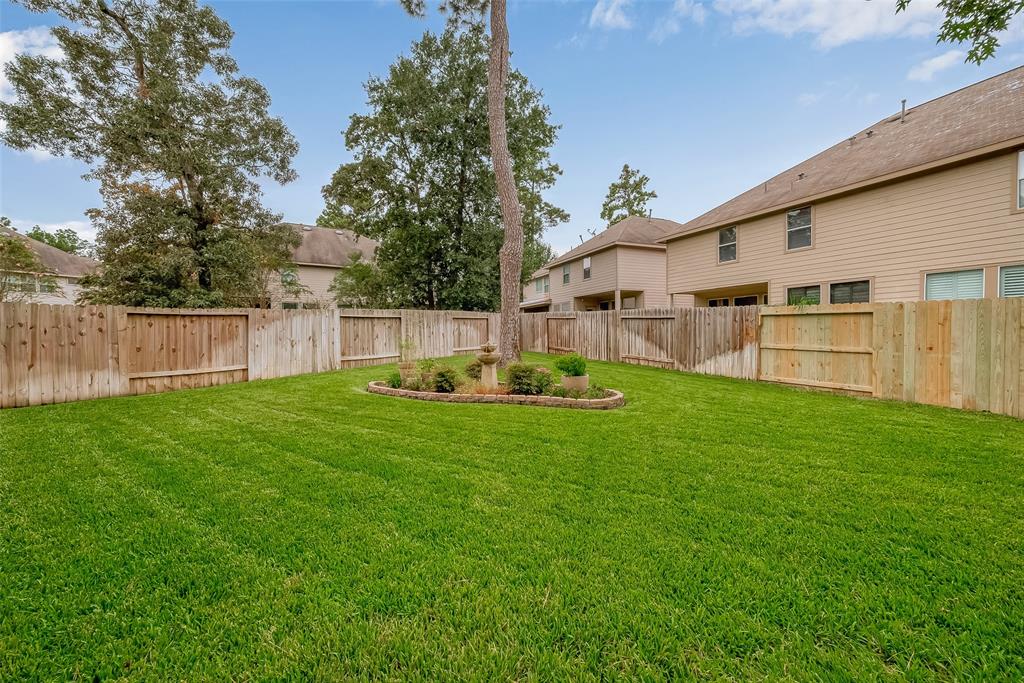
(613, 400)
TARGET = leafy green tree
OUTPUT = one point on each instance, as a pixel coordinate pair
(148, 95)
(22, 274)
(627, 196)
(64, 239)
(360, 285)
(422, 184)
(974, 21)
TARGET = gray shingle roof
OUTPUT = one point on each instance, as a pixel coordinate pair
(330, 247)
(630, 230)
(53, 259)
(964, 121)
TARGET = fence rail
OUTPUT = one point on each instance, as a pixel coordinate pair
(963, 354)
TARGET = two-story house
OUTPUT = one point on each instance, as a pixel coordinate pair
(620, 267)
(925, 204)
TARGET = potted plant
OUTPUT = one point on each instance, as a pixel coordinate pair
(406, 364)
(574, 372)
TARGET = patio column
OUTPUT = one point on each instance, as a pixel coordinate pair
(618, 299)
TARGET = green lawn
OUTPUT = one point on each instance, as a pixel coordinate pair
(304, 529)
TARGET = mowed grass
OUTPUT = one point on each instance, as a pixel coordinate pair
(304, 529)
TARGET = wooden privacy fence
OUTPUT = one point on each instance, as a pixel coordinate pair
(714, 341)
(55, 354)
(963, 354)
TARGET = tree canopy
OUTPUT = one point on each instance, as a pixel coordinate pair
(147, 94)
(627, 196)
(974, 21)
(64, 239)
(422, 184)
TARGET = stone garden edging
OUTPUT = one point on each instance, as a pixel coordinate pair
(614, 400)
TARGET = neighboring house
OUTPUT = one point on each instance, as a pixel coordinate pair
(926, 204)
(621, 267)
(322, 253)
(64, 270)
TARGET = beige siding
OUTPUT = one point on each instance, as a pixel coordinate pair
(318, 279)
(643, 270)
(952, 219)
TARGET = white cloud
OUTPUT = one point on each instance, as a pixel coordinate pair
(610, 14)
(83, 228)
(808, 99)
(33, 41)
(832, 22)
(672, 23)
(926, 70)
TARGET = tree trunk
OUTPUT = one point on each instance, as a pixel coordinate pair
(511, 254)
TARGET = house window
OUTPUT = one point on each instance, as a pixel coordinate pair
(629, 302)
(718, 303)
(1020, 179)
(586, 267)
(565, 274)
(958, 284)
(1011, 281)
(858, 292)
(290, 304)
(727, 244)
(22, 283)
(803, 295)
(798, 228)
(750, 300)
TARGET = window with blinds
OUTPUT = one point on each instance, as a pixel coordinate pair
(858, 292)
(958, 284)
(798, 228)
(803, 295)
(1011, 280)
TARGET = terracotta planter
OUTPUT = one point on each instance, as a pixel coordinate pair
(581, 383)
(407, 370)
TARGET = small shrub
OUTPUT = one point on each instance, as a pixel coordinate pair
(413, 384)
(527, 379)
(446, 378)
(426, 366)
(542, 381)
(474, 369)
(572, 365)
(394, 380)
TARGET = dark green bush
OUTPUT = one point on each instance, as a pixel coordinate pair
(446, 378)
(394, 380)
(573, 365)
(474, 369)
(530, 380)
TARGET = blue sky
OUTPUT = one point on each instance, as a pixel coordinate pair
(707, 98)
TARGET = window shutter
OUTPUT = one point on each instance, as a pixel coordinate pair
(1011, 281)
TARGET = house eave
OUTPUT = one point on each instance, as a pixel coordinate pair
(904, 174)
